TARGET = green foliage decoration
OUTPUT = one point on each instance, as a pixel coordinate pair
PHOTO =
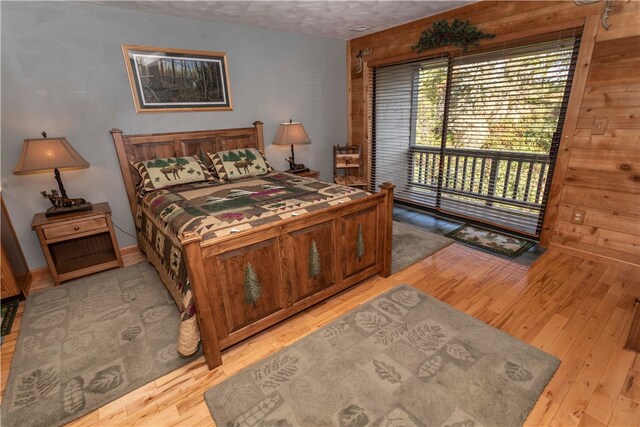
(233, 157)
(459, 33)
(252, 286)
(359, 243)
(157, 163)
(314, 260)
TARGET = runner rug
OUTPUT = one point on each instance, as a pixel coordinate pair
(403, 359)
(503, 244)
(88, 342)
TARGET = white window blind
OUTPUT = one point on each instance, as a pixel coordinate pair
(474, 135)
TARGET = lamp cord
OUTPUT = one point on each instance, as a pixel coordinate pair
(125, 232)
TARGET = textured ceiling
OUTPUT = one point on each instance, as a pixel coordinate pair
(319, 18)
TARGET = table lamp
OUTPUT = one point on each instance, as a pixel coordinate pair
(292, 133)
(53, 154)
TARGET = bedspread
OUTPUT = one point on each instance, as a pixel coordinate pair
(215, 210)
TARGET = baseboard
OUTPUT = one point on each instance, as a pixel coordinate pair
(43, 274)
(591, 256)
(130, 250)
(39, 274)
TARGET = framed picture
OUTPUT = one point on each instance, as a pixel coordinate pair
(173, 80)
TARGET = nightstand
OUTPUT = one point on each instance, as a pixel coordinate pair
(78, 243)
(308, 174)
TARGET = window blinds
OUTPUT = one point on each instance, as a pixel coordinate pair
(474, 135)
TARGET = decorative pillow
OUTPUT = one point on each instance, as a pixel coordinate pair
(164, 172)
(234, 164)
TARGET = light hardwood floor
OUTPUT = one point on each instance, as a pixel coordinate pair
(577, 309)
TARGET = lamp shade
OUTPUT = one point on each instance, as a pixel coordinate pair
(291, 134)
(44, 155)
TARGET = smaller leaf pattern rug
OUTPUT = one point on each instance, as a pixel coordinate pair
(403, 359)
(491, 240)
(88, 342)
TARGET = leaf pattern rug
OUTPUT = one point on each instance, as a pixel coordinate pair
(403, 359)
(88, 342)
(491, 240)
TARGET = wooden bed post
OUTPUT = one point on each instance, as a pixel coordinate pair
(116, 134)
(258, 125)
(195, 268)
(387, 232)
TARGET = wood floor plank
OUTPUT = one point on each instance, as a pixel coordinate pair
(542, 413)
(597, 353)
(578, 310)
(631, 385)
(625, 413)
(563, 379)
(612, 379)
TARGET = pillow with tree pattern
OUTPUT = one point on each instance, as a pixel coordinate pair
(234, 164)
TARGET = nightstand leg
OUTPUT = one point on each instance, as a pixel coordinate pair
(114, 242)
(47, 256)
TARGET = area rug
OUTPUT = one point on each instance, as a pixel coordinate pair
(491, 240)
(402, 359)
(8, 312)
(88, 342)
(411, 244)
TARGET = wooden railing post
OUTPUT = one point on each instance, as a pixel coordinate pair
(493, 177)
(192, 253)
(387, 232)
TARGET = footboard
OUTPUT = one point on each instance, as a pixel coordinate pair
(244, 283)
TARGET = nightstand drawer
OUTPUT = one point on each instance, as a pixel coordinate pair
(71, 228)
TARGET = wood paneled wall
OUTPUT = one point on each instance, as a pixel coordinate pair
(600, 169)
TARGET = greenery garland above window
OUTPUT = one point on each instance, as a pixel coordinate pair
(459, 33)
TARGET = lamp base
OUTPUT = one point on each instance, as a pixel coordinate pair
(53, 211)
(298, 168)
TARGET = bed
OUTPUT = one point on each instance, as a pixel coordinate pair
(295, 241)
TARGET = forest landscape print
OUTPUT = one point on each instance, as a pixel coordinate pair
(164, 79)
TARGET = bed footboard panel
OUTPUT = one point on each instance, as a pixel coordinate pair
(245, 283)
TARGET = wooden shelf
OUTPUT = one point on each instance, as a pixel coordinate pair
(77, 254)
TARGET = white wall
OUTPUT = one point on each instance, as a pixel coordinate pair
(63, 72)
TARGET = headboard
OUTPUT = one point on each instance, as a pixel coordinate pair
(135, 148)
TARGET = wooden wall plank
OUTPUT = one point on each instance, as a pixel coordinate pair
(611, 220)
(602, 199)
(622, 242)
(613, 139)
(628, 183)
(606, 160)
(611, 99)
(568, 239)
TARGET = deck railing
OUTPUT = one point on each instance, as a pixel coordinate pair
(514, 180)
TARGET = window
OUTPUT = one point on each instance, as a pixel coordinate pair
(474, 135)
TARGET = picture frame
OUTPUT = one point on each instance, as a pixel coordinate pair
(177, 80)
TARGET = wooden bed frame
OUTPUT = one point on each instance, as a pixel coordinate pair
(353, 241)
